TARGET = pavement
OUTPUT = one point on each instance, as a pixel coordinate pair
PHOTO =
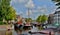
(5, 27)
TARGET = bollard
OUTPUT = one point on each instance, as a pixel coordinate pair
(50, 33)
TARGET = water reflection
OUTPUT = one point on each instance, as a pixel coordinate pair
(22, 32)
(9, 32)
(5, 32)
(26, 31)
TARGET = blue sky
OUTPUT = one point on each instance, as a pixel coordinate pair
(37, 7)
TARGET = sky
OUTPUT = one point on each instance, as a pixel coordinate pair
(36, 7)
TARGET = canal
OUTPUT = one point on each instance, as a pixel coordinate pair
(24, 32)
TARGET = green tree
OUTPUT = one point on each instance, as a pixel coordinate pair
(7, 12)
(41, 18)
(44, 18)
(28, 19)
(11, 14)
(3, 8)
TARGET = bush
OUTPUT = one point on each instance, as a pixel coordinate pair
(2, 23)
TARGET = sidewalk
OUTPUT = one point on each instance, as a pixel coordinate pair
(5, 27)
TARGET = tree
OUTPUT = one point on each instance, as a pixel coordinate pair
(6, 11)
(11, 14)
(41, 18)
(28, 19)
(44, 18)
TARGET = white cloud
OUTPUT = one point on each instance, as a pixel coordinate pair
(27, 13)
(20, 13)
(43, 0)
(53, 11)
(30, 4)
(19, 1)
(34, 11)
(13, 1)
(40, 9)
(23, 1)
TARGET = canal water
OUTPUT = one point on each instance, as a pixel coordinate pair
(25, 32)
